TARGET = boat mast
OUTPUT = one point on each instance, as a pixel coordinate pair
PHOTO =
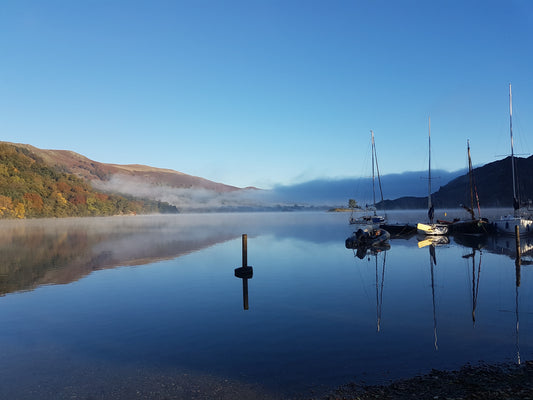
(377, 172)
(471, 178)
(430, 205)
(373, 181)
(515, 200)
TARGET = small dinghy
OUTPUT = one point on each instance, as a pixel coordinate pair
(367, 237)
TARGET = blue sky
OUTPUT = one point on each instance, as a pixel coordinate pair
(268, 92)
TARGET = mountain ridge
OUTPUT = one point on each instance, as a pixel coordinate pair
(493, 184)
(83, 167)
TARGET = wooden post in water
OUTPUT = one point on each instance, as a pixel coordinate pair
(245, 272)
(244, 250)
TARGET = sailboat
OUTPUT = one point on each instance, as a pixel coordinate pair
(375, 218)
(506, 224)
(431, 228)
(472, 226)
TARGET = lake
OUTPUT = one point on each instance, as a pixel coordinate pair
(150, 307)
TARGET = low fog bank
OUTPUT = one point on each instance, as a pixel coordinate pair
(336, 192)
(319, 193)
(198, 200)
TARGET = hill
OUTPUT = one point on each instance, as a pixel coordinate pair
(30, 187)
(93, 171)
(493, 182)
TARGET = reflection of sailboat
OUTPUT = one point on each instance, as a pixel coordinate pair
(375, 218)
(516, 312)
(502, 244)
(431, 228)
(475, 280)
(364, 250)
(433, 262)
(433, 241)
(379, 297)
(379, 282)
(506, 224)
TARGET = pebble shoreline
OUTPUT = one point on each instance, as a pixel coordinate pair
(502, 382)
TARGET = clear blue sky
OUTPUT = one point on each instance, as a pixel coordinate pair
(264, 92)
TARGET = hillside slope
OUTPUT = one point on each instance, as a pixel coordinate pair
(31, 188)
(83, 167)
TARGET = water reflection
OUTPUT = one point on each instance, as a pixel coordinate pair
(245, 272)
(320, 314)
(35, 253)
(432, 263)
(475, 280)
(379, 299)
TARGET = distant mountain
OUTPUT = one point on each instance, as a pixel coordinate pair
(493, 182)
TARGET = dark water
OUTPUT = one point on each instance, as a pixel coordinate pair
(120, 307)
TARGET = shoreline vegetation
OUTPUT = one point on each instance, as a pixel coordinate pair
(484, 381)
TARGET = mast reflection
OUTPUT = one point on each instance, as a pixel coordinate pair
(475, 280)
(433, 263)
(374, 251)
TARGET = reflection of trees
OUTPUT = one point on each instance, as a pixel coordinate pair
(27, 258)
(33, 253)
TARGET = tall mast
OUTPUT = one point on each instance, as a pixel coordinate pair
(515, 200)
(471, 178)
(373, 182)
(430, 205)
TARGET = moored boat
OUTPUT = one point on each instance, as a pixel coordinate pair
(472, 226)
(368, 236)
(374, 218)
(431, 228)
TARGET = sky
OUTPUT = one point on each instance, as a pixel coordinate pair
(265, 92)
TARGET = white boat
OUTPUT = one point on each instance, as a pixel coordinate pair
(374, 218)
(431, 228)
(507, 223)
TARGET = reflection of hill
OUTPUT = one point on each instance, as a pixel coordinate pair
(35, 253)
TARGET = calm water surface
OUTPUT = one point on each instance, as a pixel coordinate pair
(129, 307)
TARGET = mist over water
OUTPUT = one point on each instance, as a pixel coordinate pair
(325, 193)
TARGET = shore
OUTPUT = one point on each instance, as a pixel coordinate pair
(502, 382)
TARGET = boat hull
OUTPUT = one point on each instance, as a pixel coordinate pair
(506, 225)
(368, 237)
(432, 229)
(473, 227)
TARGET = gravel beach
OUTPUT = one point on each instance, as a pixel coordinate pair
(502, 382)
